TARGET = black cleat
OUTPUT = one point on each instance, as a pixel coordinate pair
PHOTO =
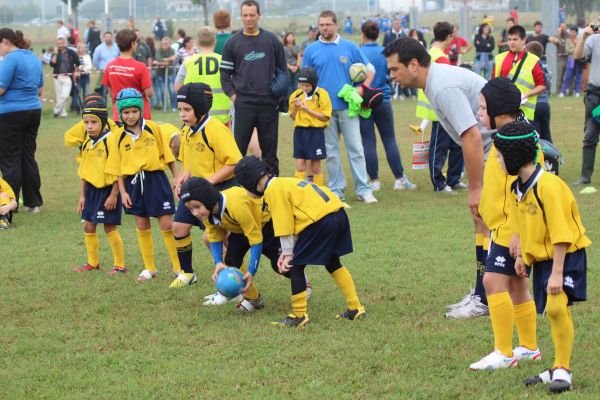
(291, 321)
(353, 314)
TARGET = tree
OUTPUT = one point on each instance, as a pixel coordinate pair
(579, 7)
(206, 4)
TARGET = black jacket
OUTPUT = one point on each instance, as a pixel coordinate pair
(72, 63)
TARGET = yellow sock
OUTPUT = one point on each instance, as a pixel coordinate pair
(92, 244)
(299, 304)
(525, 319)
(486, 242)
(503, 321)
(116, 247)
(300, 175)
(561, 326)
(171, 246)
(252, 293)
(146, 248)
(346, 284)
(478, 239)
(318, 179)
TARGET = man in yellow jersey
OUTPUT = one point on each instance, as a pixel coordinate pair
(204, 68)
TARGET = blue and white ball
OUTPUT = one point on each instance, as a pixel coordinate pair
(230, 282)
(357, 72)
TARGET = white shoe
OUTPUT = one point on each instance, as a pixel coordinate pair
(561, 95)
(577, 94)
(146, 275)
(475, 308)
(375, 186)
(404, 183)
(217, 299)
(460, 186)
(368, 198)
(524, 354)
(447, 190)
(494, 360)
(466, 299)
(251, 305)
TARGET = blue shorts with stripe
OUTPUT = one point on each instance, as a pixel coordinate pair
(309, 143)
(324, 240)
(93, 209)
(499, 260)
(150, 193)
(574, 279)
(184, 215)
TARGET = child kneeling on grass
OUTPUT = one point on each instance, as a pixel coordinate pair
(8, 204)
(99, 202)
(552, 242)
(313, 228)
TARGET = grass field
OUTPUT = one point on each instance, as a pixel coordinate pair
(67, 335)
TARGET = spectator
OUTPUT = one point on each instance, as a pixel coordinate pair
(21, 83)
(125, 72)
(79, 90)
(165, 56)
(65, 64)
(129, 24)
(143, 53)
(292, 53)
(73, 38)
(92, 37)
(458, 46)
(313, 31)
(588, 47)
(61, 30)
(484, 48)
(382, 116)
(222, 21)
(514, 14)
(562, 56)
(179, 41)
(489, 20)
(188, 49)
(574, 70)
(331, 56)
(503, 42)
(541, 120)
(103, 54)
(348, 26)
(248, 79)
(159, 29)
(395, 33)
(538, 36)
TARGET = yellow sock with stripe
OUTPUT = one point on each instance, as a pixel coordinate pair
(346, 284)
(300, 175)
(479, 239)
(92, 245)
(116, 247)
(146, 248)
(318, 179)
(561, 326)
(486, 243)
(299, 304)
(252, 293)
(171, 246)
(503, 321)
(525, 319)
(184, 253)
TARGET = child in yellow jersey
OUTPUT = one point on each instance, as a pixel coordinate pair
(99, 202)
(310, 108)
(139, 159)
(509, 299)
(208, 150)
(8, 203)
(552, 243)
(313, 228)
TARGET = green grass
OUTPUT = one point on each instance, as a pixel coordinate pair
(65, 335)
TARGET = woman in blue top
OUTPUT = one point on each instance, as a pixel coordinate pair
(21, 82)
(382, 116)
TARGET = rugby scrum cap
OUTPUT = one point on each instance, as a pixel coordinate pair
(308, 75)
(201, 190)
(249, 171)
(518, 143)
(94, 105)
(129, 97)
(502, 97)
(197, 95)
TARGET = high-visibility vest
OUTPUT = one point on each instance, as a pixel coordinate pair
(204, 68)
(524, 81)
(424, 109)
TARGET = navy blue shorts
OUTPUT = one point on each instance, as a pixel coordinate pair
(324, 240)
(499, 260)
(575, 279)
(309, 143)
(238, 246)
(184, 215)
(93, 209)
(150, 193)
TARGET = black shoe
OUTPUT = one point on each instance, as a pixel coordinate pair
(582, 181)
(352, 314)
(544, 377)
(291, 321)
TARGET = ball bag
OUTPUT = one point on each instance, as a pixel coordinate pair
(230, 282)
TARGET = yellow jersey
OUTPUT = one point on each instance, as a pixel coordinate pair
(546, 215)
(319, 102)
(295, 204)
(5, 188)
(207, 150)
(94, 156)
(240, 213)
(148, 151)
(76, 135)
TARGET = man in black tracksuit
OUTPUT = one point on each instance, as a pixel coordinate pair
(250, 60)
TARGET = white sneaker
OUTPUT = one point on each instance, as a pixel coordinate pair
(494, 360)
(404, 183)
(577, 94)
(475, 308)
(523, 353)
(447, 190)
(375, 186)
(368, 198)
(561, 95)
(251, 305)
(460, 186)
(217, 299)
(146, 275)
(466, 299)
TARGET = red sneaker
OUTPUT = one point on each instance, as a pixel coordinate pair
(117, 270)
(86, 267)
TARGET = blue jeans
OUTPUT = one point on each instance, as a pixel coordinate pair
(484, 62)
(541, 119)
(159, 90)
(350, 128)
(441, 146)
(574, 71)
(383, 117)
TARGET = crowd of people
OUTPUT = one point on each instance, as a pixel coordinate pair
(525, 217)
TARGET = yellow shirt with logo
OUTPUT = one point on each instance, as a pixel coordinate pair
(76, 135)
(319, 102)
(295, 204)
(149, 151)
(546, 215)
(94, 156)
(5, 188)
(207, 150)
(241, 214)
